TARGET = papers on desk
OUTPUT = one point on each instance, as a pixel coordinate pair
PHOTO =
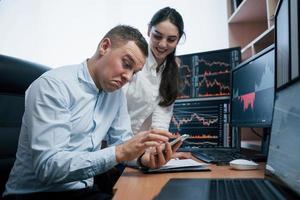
(182, 165)
(177, 163)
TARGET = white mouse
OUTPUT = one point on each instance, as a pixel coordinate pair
(243, 164)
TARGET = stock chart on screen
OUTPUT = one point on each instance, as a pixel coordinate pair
(253, 91)
(205, 121)
(207, 74)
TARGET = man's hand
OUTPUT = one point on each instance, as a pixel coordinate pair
(137, 145)
(158, 158)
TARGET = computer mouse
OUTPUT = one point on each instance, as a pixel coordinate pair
(243, 164)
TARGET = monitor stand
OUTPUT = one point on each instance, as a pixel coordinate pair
(265, 141)
(263, 153)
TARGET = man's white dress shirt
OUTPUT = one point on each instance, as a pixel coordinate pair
(66, 118)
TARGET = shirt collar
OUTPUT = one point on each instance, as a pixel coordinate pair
(85, 76)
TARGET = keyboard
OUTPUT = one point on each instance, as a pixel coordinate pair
(223, 189)
(218, 156)
(242, 189)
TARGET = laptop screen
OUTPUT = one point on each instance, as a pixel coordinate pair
(284, 160)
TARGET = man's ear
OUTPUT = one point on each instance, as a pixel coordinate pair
(104, 45)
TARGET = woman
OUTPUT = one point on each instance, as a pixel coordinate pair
(152, 92)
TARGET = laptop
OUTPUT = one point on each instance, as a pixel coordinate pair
(208, 120)
(282, 172)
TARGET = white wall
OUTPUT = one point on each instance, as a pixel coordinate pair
(59, 32)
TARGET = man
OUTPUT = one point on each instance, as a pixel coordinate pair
(69, 111)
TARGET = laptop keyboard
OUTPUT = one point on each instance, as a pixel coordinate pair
(218, 156)
(221, 189)
(243, 189)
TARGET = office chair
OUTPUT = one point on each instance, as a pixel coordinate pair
(15, 77)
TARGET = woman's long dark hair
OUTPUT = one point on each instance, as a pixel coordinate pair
(169, 85)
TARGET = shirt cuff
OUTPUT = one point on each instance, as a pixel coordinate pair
(105, 159)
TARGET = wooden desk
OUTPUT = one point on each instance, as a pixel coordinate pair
(136, 185)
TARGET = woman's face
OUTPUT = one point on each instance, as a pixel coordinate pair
(163, 40)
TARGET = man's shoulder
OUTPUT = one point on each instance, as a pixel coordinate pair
(61, 71)
(64, 73)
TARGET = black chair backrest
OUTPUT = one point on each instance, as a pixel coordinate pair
(15, 77)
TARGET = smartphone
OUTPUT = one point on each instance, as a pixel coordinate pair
(182, 137)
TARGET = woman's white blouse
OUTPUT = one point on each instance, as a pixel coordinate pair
(143, 98)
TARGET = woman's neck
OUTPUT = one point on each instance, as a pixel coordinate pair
(159, 66)
(159, 62)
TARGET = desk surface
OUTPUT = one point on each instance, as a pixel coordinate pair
(136, 185)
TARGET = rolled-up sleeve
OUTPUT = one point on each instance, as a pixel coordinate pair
(48, 122)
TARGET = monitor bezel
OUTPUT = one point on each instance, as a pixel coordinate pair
(293, 12)
(243, 64)
(278, 8)
(212, 51)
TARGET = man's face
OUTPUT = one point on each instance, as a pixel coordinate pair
(117, 65)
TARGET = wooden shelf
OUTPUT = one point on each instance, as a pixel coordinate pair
(264, 40)
(249, 11)
(247, 52)
(261, 42)
(241, 34)
(251, 25)
(271, 7)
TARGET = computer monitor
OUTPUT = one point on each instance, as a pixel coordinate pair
(253, 91)
(282, 42)
(283, 160)
(205, 121)
(207, 74)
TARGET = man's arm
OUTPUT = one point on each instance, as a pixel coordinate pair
(47, 118)
(120, 130)
(128, 146)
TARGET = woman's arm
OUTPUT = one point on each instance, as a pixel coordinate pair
(161, 117)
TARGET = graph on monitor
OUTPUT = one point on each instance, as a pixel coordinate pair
(205, 122)
(207, 74)
(253, 91)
